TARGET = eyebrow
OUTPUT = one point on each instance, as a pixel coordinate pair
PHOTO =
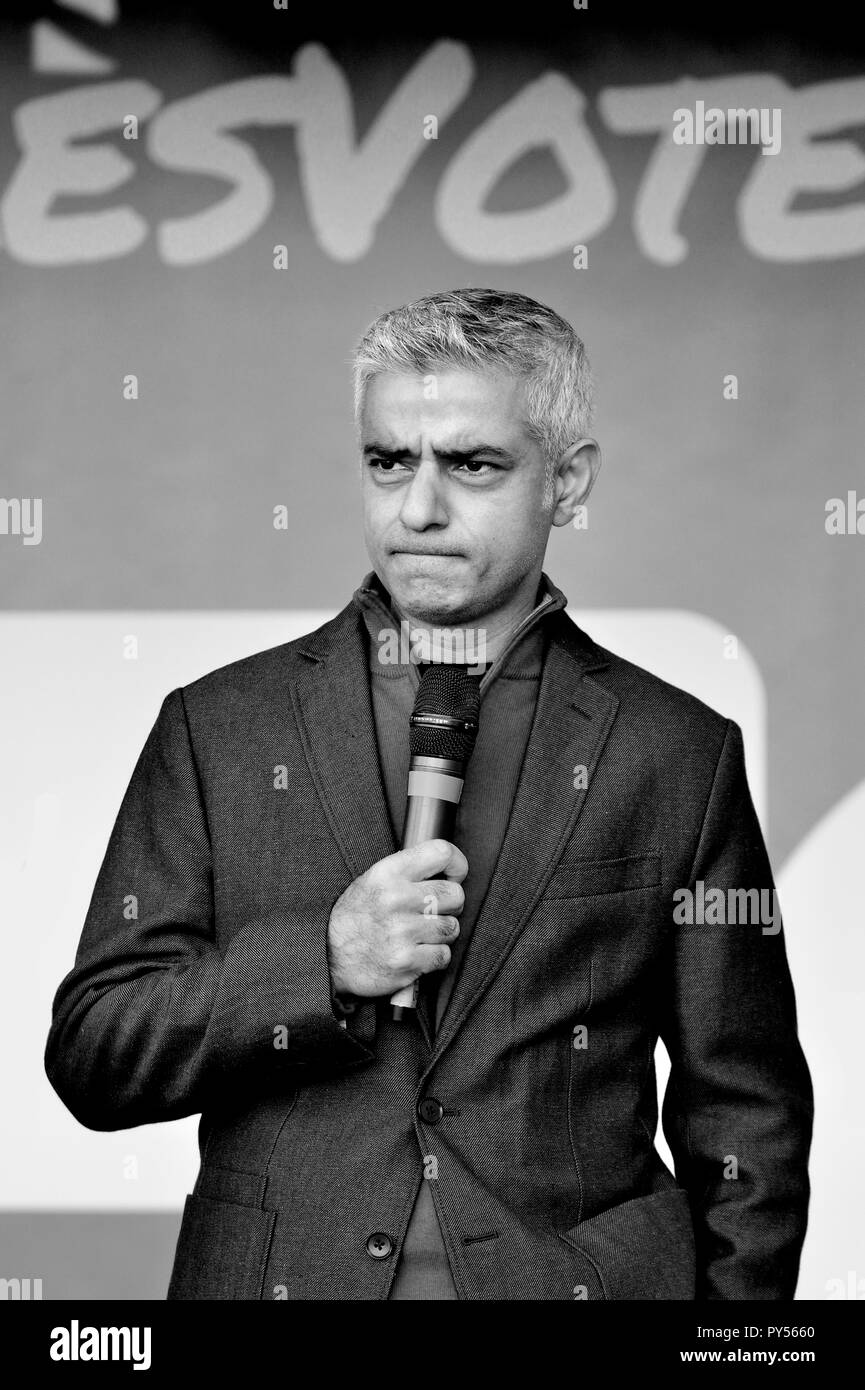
(461, 455)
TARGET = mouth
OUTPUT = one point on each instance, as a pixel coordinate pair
(429, 554)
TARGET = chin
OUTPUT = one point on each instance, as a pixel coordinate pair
(431, 602)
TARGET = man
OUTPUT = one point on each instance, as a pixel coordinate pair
(498, 1141)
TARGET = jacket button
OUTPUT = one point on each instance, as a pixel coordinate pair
(379, 1246)
(430, 1110)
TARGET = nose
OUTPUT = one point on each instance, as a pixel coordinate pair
(423, 502)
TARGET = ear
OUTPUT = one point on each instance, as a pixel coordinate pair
(574, 478)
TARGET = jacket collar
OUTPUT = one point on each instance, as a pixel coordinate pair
(521, 653)
(328, 643)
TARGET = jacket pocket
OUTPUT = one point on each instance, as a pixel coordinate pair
(230, 1185)
(641, 1249)
(222, 1250)
(584, 878)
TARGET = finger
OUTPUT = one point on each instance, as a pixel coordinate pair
(429, 859)
(430, 930)
(457, 866)
(429, 958)
(448, 895)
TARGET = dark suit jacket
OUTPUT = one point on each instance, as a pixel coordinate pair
(201, 985)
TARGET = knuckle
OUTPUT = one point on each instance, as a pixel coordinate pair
(387, 898)
(401, 959)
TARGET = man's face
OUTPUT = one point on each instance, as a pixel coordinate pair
(453, 492)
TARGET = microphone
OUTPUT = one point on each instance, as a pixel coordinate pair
(442, 733)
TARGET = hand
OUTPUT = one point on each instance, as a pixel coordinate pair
(379, 938)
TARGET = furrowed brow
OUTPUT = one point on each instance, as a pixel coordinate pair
(383, 452)
(453, 455)
(464, 455)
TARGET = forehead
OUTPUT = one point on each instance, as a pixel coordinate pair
(462, 406)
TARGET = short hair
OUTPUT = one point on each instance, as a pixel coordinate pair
(480, 329)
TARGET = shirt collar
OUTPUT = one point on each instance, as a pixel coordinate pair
(391, 652)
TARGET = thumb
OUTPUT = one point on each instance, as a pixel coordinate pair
(432, 859)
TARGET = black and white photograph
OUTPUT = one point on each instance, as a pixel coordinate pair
(432, 560)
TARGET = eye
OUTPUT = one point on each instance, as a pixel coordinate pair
(477, 468)
(389, 468)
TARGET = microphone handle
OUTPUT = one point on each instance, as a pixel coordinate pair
(428, 817)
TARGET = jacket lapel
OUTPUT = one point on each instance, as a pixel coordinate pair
(572, 720)
(333, 708)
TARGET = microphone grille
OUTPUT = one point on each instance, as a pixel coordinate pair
(448, 693)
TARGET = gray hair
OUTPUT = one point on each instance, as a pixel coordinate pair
(482, 330)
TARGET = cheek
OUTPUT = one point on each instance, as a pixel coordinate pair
(374, 510)
(515, 524)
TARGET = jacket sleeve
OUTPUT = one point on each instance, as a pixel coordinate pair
(738, 1110)
(155, 1020)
